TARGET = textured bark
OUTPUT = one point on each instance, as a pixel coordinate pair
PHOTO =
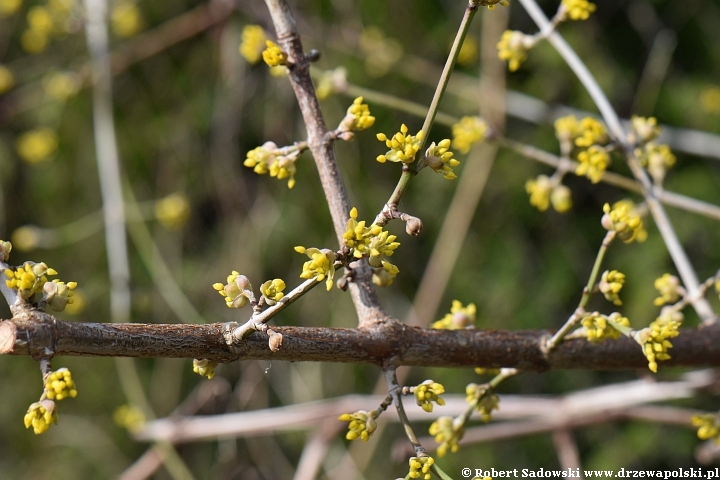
(363, 293)
(40, 334)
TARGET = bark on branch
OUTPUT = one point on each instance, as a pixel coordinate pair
(39, 334)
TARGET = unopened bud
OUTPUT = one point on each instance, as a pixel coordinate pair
(347, 136)
(434, 162)
(413, 225)
(275, 341)
(313, 55)
(5, 248)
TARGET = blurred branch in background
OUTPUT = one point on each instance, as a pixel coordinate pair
(187, 108)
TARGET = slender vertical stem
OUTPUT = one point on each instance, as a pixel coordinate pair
(366, 302)
(113, 211)
(470, 12)
(587, 293)
(408, 172)
(394, 390)
(107, 161)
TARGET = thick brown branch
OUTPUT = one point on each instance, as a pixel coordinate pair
(365, 298)
(41, 334)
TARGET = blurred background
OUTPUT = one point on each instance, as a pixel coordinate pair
(188, 107)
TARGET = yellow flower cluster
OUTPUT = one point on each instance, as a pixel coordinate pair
(284, 167)
(258, 158)
(708, 426)
(567, 129)
(643, 129)
(272, 290)
(37, 145)
(709, 99)
(40, 416)
(513, 47)
(593, 163)
(383, 245)
(273, 54)
(669, 288)
(468, 53)
(28, 279)
(204, 367)
(486, 401)
(6, 79)
(252, 43)
(129, 417)
(59, 385)
(420, 467)
(237, 292)
(428, 392)
(173, 211)
(125, 19)
(441, 160)
(358, 117)
(26, 238)
(9, 7)
(331, 81)
(376, 244)
(62, 85)
(320, 265)
(588, 134)
(597, 327)
(591, 132)
(459, 317)
(578, 9)
(539, 190)
(491, 4)
(362, 424)
(654, 339)
(447, 432)
(279, 163)
(357, 236)
(381, 52)
(403, 147)
(59, 294)
(624, 219)
(543, 193)
(45, 21)
(610, 285)
(657, 158)
(467, 132)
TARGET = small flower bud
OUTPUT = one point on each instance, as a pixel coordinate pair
(275, 341)
(5, 248)
(347, 136)
(313, 55)
(413, 226)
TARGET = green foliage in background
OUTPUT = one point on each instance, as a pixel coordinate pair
(186, 118)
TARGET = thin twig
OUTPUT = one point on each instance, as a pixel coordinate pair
(673, 199)
(617, 132)
(408, 171)
(367, 304)
(551, 410)
(113, 212)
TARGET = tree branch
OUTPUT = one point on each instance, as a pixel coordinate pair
(363, 293)
(37, 334)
